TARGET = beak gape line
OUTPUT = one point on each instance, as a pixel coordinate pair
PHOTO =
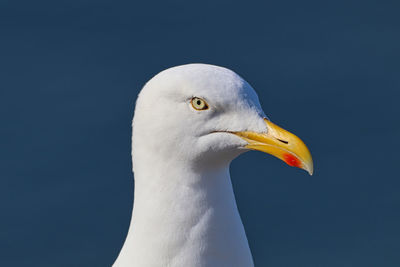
(281, 144)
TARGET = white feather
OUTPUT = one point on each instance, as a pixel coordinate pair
(185, 212)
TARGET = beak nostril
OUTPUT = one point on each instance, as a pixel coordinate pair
(283, 141)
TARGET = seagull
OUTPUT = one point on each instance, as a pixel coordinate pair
(190, 122)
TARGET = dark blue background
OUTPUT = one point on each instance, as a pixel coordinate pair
(326, 70)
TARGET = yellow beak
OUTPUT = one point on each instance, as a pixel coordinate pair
(281, 144)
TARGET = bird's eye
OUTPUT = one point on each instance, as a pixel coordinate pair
(198, 103)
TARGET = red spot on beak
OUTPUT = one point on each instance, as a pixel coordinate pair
(292, 160)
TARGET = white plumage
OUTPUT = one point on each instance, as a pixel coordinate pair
(184, 212)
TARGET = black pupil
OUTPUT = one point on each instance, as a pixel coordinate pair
(198, 102)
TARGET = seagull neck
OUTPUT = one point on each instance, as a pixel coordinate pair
(182, 213)
(166, 178)
(185, 194)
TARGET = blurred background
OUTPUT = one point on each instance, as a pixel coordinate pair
(70, 72)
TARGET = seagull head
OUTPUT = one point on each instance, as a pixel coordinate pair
(205, 115)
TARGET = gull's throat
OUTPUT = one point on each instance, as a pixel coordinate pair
(184, 218)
